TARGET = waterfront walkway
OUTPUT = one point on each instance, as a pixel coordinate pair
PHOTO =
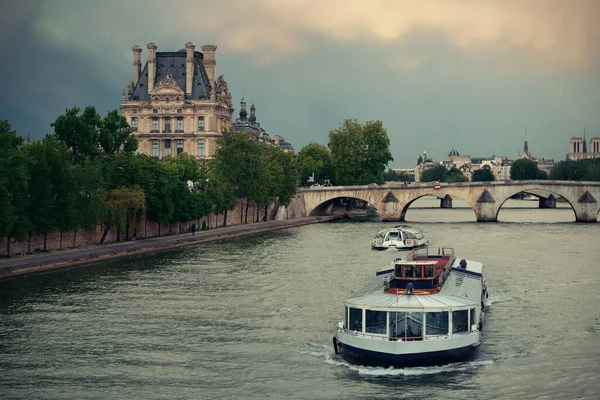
(31, 263)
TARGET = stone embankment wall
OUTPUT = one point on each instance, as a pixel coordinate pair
(144, 229)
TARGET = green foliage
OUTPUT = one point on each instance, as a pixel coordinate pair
(392, 176)
(438, 173)
(41, 194)
(524, 169)
(14, 181)
(577, 170)
(89, 135)
(359, 152)
(115, 134)
(314, 158)
(483, 175)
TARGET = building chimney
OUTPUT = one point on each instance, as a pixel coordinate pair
(137, 64)
(210, 64)
(189, 69)
(151, 65)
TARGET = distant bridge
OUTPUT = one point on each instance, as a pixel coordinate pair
(485, 198)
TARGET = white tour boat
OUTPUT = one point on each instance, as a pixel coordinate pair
(399, 238)
(423, 310)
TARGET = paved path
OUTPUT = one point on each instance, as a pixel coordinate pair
(28, 264)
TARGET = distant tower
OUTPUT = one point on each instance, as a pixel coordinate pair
(526, 145)
(584, 141)
(243, 112)
(252, 114)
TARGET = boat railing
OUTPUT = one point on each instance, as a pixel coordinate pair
(402, 338)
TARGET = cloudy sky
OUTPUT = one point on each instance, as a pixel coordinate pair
(468, 74)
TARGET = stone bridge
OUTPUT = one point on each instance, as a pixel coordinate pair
(393, 200)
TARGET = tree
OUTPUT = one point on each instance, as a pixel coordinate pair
(314, 159)
(63, 185)
(577, 170)
(115, 134)
(219, 190)
(14, 179)
(79, 132)
(392, 176)
(483, 175)
(437, 173)
(359, 152)
(239, 159)
(41, 193)
(123, 207)
(525, 169)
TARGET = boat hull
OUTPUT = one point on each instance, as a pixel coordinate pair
(370, 358)
(401, 247)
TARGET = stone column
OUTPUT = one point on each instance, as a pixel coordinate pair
(549, 202)
(137, 64)
(210, 63)
(151, 65)
(189, 69)
(446, 202)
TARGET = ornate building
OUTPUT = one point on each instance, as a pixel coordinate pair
(578, 148)
(175, 103)
(245, 123)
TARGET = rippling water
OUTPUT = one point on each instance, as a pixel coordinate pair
(253, 317)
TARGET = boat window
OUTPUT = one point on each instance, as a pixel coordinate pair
(428, 271)
(399, 271)
(346, 317)
(472, 316)
(376, 321)
(437, 323)
(413, 272)
(355, 322)
(393, 236)
(406, 324)
(397, 324)
(460, 321)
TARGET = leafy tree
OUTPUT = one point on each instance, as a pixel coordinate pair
(122, 208)
(577, 170)
(79, 132)
(392, 176)
(41, 193)
(115, 134)
(483, 175)
(437, 173)
(186, 167)
(239, 158)
(14, 180)
(89, 193)
(359, 152)
(63, 185)
(219, 190)
(525, 169)
(314, 159)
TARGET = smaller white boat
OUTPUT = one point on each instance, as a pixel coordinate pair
(400, 238)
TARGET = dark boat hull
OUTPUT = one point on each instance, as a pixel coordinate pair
(358, 356)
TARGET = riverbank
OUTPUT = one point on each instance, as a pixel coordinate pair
(34, 263)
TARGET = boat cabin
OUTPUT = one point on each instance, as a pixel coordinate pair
(422, 273)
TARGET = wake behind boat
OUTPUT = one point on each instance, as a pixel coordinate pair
(399, 238)
(425, 310)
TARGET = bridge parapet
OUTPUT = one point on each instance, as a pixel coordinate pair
(485, 198)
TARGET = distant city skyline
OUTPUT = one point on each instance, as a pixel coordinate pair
(456, 74)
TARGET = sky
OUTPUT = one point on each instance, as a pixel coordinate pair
(474, 75)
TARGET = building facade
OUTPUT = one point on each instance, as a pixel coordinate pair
(176, 104)
(578, 149)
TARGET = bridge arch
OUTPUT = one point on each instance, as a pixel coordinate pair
(537, 191)
(437, 194)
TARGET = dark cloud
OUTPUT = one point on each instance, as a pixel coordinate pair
(469, 78)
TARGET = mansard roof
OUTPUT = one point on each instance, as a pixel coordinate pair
(174, 63)
(453, 153)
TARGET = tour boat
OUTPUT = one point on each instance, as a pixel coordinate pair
(399, 238)
(423, 310)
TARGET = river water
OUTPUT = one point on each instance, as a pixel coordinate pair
(253, 317)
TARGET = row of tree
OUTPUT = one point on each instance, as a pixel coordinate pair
(87, 174)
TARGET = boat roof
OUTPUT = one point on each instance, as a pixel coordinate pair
(400, 228)
(462, 288)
